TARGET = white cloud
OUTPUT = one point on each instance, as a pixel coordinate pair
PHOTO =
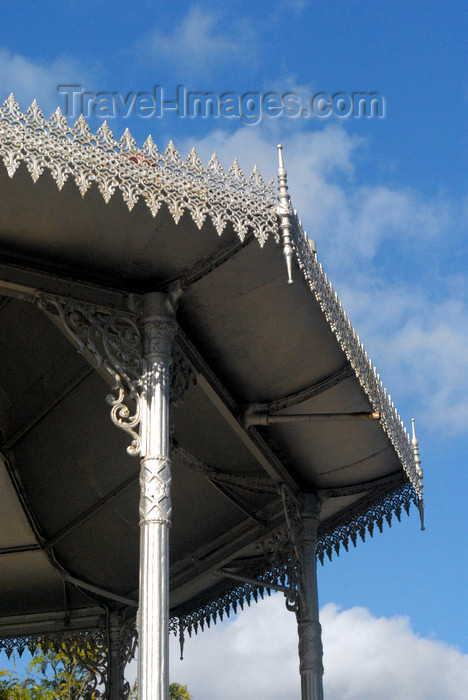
(199, 44)
(420, 344)
(365, 658)
(29, 79)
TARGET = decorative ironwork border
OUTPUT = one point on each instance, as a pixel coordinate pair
(335, 533)
(357, 356)
(90, 649)
(75, 152)
(225, 598)
(332, 535)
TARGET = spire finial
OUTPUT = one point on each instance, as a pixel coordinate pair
(181, 638)
(419, 471)
(284, 212)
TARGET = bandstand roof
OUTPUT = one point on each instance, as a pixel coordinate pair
(97, 223)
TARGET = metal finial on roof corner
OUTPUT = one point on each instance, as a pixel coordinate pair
(419, 471)
(284, 212)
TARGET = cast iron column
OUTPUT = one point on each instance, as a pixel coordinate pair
(158, 326)
(308, 625)
(116, 664)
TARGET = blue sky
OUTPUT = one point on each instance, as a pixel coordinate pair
(384, 198)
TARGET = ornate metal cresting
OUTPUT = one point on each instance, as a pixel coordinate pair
(354, 350)
(157, 178)
(302, 517)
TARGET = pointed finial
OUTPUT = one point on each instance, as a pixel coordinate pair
(181, 638)
(419, 471)
(284, 212)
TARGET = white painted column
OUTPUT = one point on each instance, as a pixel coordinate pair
(308, 625)
(155, 500)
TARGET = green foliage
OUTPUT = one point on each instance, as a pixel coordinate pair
(178, 692)
(60, 675)
(51, 675)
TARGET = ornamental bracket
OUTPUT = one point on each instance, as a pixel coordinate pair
(112, 342)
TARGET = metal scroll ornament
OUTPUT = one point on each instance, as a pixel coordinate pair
(113, 341)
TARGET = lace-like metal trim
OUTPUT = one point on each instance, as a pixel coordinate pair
(278, 550)
(225, 598)
(334, 534)
(357, 356)
(75, 152)
(89, 647)
(91, 650)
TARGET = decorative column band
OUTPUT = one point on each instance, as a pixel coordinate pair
(155, 490)
(310, 647)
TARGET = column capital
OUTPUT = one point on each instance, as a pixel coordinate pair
(159, 326)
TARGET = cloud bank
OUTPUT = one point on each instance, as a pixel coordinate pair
(365, 658)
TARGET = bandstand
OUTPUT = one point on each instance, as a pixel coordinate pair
(250, 435)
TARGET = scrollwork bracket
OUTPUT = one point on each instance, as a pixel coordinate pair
(112, 341)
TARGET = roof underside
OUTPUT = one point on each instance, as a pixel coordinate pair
(68, 489)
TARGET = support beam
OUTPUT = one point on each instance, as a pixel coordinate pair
(228, 408)
(21, 282)
(85, 619)
(203, 267)
(269, 419)
(158, 329)
(45, 410)
(89, 512)
(254, 581)
(299, 397)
